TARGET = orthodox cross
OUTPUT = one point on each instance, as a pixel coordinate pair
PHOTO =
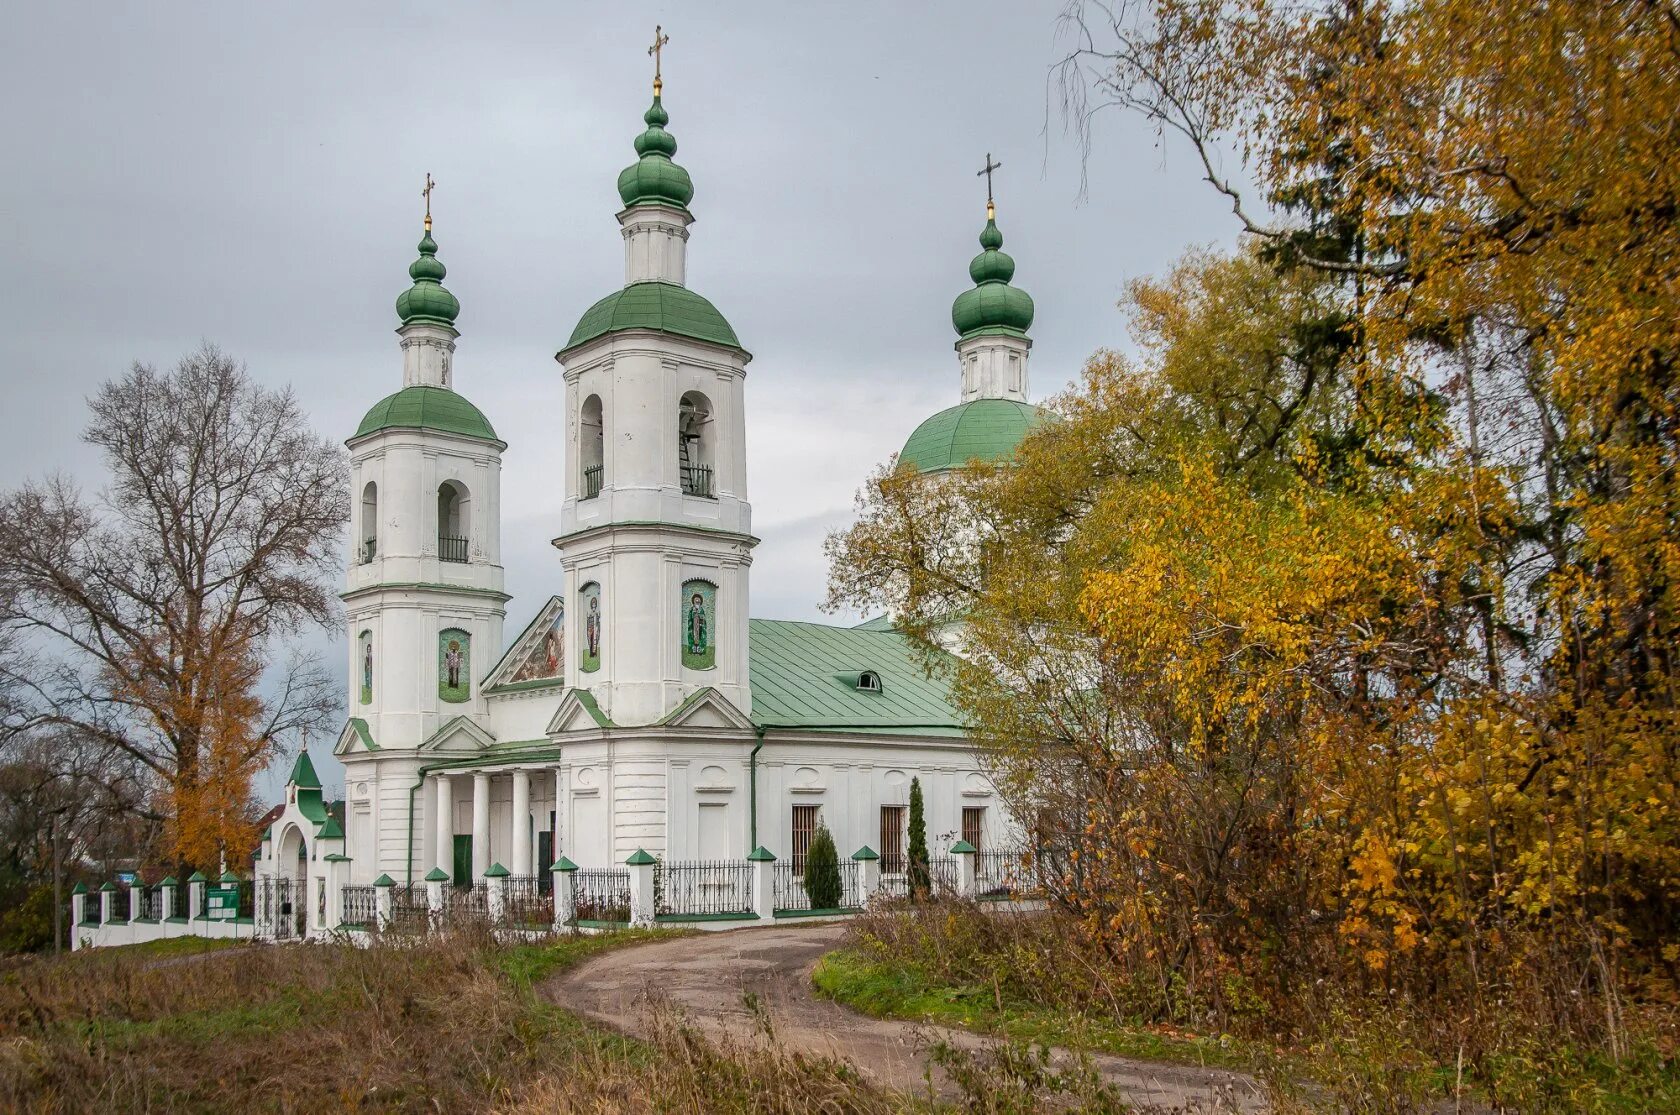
(659, 41)
(991, 210)
(427, 194)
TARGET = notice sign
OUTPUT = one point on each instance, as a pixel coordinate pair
(221, 903)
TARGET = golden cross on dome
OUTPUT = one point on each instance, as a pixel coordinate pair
(427, 194)
(991, 210)
(659, 41)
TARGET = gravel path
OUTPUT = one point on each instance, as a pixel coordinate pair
(709, 976)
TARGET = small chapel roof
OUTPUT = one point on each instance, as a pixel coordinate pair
(427, 408)
(983, 430)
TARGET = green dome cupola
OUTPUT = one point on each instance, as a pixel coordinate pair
(427, 302)
(992, 306)
(653, 179)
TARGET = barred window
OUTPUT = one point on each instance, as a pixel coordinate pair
(804, 827)
(973, 822)
(892, 839)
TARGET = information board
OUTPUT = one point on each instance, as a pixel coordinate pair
(221, 903)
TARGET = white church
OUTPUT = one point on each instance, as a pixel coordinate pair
(642, 708)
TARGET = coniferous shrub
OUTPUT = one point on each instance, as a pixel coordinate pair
(919, 875)
(822, 871)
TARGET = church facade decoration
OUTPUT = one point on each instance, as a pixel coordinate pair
(548, 658)
(698, 625)
(590, 633)
(364, 664)
(454, 665)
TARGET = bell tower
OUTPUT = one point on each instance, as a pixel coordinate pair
(424, 589)
(656, 530)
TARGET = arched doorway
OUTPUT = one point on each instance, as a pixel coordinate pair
(289, 900)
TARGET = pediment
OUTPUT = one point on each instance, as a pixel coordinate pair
(538, 655)
(578, 712)
(354, 737)
(460, 734)
(707, 708)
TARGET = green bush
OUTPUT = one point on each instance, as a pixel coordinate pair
(822, 871)
(28, 926)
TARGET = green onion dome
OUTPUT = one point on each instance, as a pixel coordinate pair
(426, 300)
(993, 306)
(984, 430)
(653, 179)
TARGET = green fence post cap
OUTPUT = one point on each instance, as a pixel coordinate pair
(108, 886)
(197, 877)
(79, 888)
(865, 852)
(496, 871)
(169, 881)
(384, 881)
(962, 848)
(564, 864)
(436, 875)
(638, 858)
(229, 877)
(760, 854)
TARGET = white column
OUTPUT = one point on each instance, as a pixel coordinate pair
(481, 824)
(445, 824)
(522, 823)
(559, 818)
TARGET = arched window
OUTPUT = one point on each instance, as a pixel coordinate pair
(591, 448)
(370, 524)
(453, 519)
(696, 445)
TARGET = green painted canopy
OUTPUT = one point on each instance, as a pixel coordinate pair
(665, 307)
(426, 300)
(653, 179)
(427, 408)
(983, 430)
(992, 306)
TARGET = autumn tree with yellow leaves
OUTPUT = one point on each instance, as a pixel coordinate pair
(153, 620)
(1336, 633)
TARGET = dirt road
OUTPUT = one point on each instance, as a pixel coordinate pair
(708, 978)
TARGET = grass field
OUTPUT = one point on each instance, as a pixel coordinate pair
(452, 1026)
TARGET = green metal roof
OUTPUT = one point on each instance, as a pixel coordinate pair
(803, 676)
(653, 177)
(427, 300)
(978, 430)
(992, 306)
(303, 773)
(665, 307)
(882, 622)
(427, 408)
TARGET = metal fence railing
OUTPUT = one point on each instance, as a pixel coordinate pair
(147, 902)
(1006, 872)
(361, 906)
(410, 909)
(697, 888)
(178, 903)
(790, 891)
(697, 480)
(452, 549)
(592, 477)
(471, 901)
(529, 906)
(602, 896)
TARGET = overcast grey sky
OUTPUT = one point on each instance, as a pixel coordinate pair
(250, 174)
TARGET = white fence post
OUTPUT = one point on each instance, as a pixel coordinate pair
(435, 881)
(78, 914)
(497, 877)
(106, 892)
(383, 912)
(195, 896)
(868, 865)
(565, 901)
(642, 901)
(763, 882)
(967, 855)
